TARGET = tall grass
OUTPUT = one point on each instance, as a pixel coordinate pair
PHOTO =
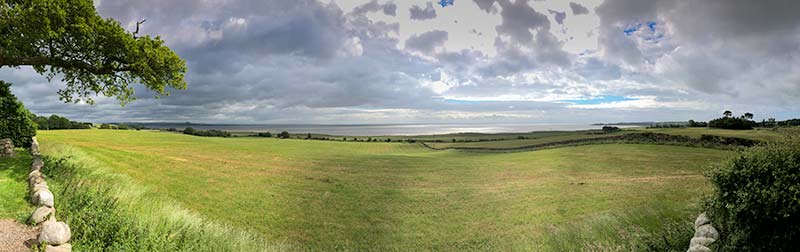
(108, 212)
(643, 228)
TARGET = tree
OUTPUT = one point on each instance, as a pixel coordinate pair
(748, 115)
(188, 131)
(15, 120)
(67, 38)
(284, 134)
(727, 113)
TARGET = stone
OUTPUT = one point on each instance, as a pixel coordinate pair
(699, 249)
(701, 220)
(43, 198)
(55, 233)
(66, 247)
(34, 173)
(38, 187)
(706, 231)
(701, 241)
(38, 163)
(6, 147)
(34, 147)
(41, 214)
(36, 180)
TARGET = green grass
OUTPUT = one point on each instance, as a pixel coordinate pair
(761, 134)
(536, 138)
(516, 143)
(13, 187)
(324, 195)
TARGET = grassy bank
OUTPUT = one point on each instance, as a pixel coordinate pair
(13, 187)
(108, 212)
(321, 195)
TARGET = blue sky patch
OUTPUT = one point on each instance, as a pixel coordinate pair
(600, 100)
(652, 25)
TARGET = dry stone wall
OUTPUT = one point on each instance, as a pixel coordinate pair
(704, 235)
(55, 235)
(6, 147)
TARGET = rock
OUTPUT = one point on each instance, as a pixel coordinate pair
(55, 233)
(706, 231)
(38, 163)
(41, 214)
(701, 241)
(43, 198)
(701, 220)
(66, 247)
(39, 187)
(36, 180)
(34, 174)
(699, 249)
(6, 147)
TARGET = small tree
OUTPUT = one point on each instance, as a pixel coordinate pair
(727, 113)
(748, 115)
(189, 131)
(284, 134)
(15, 120)
(92, 55)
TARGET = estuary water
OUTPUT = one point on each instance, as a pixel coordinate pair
(380, 129)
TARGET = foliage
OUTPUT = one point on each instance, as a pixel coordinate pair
(56, 122)
(729, 122)
(68, 38)
(264, 134)
(693, 123)
(756, 203)
(284, 134)
(206, 133)
(609, 129)
(15, 120)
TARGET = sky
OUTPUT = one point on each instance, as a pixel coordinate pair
(475, 61)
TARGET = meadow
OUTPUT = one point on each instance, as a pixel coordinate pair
(357, 196)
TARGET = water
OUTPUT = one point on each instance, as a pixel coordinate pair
(380, 129)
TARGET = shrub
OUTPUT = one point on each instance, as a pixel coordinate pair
(284, 134)
(756, 203)
(188, 131)
(264, 134)
(731, 123)
(610, 129)
(15, 120)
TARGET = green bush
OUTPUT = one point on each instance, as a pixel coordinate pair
(15, 120)
(756, 203)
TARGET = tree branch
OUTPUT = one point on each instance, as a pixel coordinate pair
(57, 62)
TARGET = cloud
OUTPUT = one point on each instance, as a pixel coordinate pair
(418, 13)
(559, 16)
(578, 9)
(311, 61)
(373, 6)
(427, 41)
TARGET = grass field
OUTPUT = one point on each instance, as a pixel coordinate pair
(536, 138)
(324, 195)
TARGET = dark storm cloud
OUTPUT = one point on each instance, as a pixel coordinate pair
(427, 41)
(578, 9)
(418, 13)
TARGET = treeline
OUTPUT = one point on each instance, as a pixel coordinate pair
(56, 122)
(206, 133)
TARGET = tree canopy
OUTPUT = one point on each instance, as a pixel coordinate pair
(94, 56)
(15, 120)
